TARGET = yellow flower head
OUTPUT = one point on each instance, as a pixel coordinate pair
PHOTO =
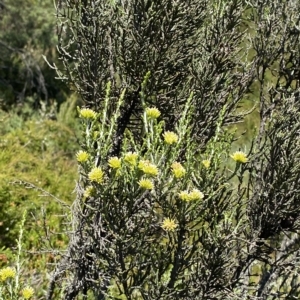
(195, 194)
(96, 175)
(152, 112)
(88, 114)
(131, 158)
(170, 137)
(148, 168)
(169, 224)
(206, 163)
(146, 184)
(143, 163)
(90, 191)
(184, 195)
(82, 156)
(6, 273)
(114, 162)
(178, 170)
(27, 292)
(239, 157)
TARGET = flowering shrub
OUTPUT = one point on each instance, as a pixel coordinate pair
(167, 206)
(152, 195)
(12, 285)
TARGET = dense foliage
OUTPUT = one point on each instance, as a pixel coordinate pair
(170, 201)
(38, 174)
(160, 212)
(39, 152)
(27, 32)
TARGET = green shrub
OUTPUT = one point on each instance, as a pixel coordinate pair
(39, 152)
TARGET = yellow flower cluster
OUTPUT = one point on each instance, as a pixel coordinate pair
(206, 163)
(27, 292)
(82, 156)
(170, 137)
(131, 158)
(148, 168)
(88, 114)
(239, 157)
(146, 184)
(152, 112)
(90, 191)
(6, 273)
(96, 175)
(195, 194)
(114, 162)
(169, 224)
(178, 170)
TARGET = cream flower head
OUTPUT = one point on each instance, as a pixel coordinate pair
(131, 157)
(82, 156)
(178, 170)
(7, 273)
(27, 292)
(170, 137)
(146, 184)
(206, 163)
(96, 175)
(148, 168)
(169, 224)
(114, 162)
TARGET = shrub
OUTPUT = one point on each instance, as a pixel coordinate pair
(160, 211)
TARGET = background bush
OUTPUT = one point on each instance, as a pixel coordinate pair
(27, 32)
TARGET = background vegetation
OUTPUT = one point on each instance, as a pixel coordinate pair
(28, 31)
(38, 136)
(40, 131)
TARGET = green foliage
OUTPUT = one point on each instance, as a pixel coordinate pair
(28, 22)
(67, 113)
(27, 31)
(39, 152)
(38, 175)
(162, 210)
